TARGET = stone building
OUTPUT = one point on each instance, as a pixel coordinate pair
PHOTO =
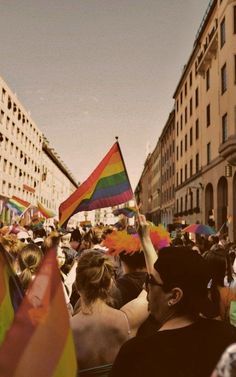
(205, 105)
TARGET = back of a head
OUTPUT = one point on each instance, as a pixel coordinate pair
(217, 263)
(177, 242)
(29, 260)
(93, 275)
(184, 268)
(76, 236)
(51, 241)
(134, 261)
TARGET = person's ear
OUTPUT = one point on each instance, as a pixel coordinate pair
(176, 295)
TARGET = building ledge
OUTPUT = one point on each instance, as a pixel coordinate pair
(208, 51)
(227, 150)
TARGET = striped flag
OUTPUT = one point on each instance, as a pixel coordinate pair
(107, 186)
(17, 205)
(39, 342)
(126, 211)
(47, 213)
(11, 294)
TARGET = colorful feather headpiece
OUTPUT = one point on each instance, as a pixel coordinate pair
(119, 241)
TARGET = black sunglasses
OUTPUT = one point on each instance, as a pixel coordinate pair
(25, 239)
(150, 280)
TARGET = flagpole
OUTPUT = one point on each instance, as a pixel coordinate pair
(222, 226)
(25, 211)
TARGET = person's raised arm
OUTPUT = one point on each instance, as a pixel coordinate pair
(148, 249)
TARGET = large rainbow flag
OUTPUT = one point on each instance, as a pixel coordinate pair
(11, 294)
(17, 205)
(39, 342)
(107, 186)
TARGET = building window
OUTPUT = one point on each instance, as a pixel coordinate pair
(190, 79)
(197, 162)
(223, 79)
(222, 33)
(181, 122)
(181, 148)
(181, 176)
(181, 204)
(186, 142)
(177, 179)
(191, 168)
(208, 115)
(177, 153)
(191, 136)
(186, 115)
(197, 129)
(191, 107)
(5, 165)
(197, 198)
(191, 200)
(3, 94)
(181, 98)
(1, 116)
(235, 69)
(185, 89)
(208, 153)
(234, 19)
(208, 79)
(224, 128)
(186, 172)
(186, 202)
(7, 123)
(196, 98)
(177, 128)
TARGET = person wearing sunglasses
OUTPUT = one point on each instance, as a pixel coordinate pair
(185, 344)
(24, 237)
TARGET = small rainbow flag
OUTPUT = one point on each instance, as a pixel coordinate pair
(11, 294)
(107, 186)
(47, 213)
(126, 211)
(17, 205)
(39, 342)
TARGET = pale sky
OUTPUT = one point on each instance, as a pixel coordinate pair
(90, 70)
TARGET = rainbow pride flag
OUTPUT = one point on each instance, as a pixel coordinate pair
(107, 186)
(17, 205)
(126, 211)
(47, 213)
(11, 294)
(39, 342)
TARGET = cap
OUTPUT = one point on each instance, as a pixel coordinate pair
(184, 268)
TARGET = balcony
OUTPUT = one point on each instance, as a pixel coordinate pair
(227, 150)
(208, 51)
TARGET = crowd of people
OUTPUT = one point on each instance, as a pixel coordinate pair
(167, 312)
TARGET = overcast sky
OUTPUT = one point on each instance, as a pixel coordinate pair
(90, 70)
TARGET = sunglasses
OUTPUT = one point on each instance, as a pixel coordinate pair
(150, 280)
(25, 239)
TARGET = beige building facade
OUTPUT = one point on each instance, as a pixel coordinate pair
(167, 157)
(29, 168)
(205, 105)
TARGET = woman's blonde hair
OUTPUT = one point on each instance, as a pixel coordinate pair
(29, 261)
(93, 275)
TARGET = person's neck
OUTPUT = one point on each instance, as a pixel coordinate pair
(92, 308)
(177, 323)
